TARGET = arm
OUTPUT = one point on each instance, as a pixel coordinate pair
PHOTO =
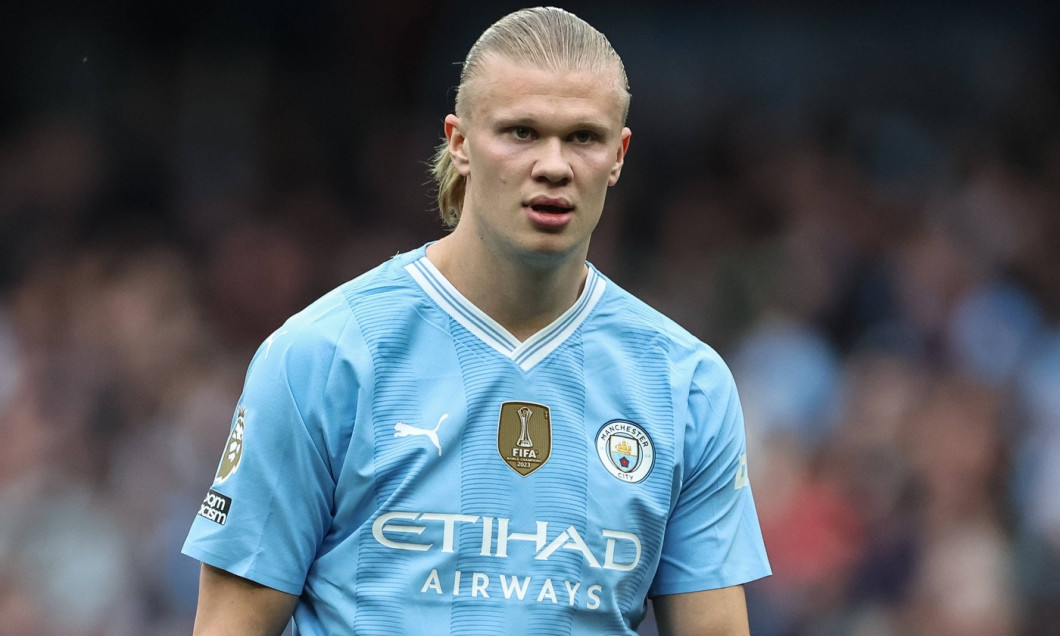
(721, 612)
(234, 606)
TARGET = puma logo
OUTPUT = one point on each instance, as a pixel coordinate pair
(741, 473)
(271, 339)
(404, 430)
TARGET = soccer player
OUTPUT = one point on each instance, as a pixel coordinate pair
(486, 435)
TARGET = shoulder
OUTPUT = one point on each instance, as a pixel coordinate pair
(623, 314)
(330, 326)
(389, 278)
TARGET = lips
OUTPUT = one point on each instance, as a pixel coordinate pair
(549, 205)
(549, 213)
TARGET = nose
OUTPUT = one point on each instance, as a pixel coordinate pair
(552, 165)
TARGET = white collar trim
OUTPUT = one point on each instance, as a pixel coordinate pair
(526, 354)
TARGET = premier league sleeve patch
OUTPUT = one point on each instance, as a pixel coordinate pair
(626, 450)
(233, 448)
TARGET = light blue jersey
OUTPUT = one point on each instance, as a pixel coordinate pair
(406, 466)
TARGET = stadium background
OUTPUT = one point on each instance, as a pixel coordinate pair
(857, 204)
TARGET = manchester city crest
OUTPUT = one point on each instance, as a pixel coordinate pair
(625, 450)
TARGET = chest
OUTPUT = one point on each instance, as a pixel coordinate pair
(475, 456)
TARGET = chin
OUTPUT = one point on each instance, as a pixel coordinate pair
(544, 252)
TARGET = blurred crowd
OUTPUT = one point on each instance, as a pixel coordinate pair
(858, 207)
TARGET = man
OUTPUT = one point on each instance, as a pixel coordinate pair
(485, 435)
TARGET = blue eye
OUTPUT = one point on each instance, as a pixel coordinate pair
(521, 132)
(583, 136)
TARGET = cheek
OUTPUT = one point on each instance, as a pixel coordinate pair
(601, 172)
(489, 156)
(598, 162)
(506, 157)
(503, 166)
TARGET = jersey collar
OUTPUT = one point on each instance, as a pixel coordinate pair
(525, 354)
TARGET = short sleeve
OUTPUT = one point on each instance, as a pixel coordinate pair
(269, 507)
(713, 538)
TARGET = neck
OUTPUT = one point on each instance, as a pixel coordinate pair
(522, 295)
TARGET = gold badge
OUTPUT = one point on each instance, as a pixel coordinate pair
(524, 436)
(233, 448)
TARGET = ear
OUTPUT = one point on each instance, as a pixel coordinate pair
(620, 157)
(457, 140)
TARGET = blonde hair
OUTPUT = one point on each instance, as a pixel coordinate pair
(542, 37)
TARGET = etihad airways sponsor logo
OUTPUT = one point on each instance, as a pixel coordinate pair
(481, 585)
(401, 530)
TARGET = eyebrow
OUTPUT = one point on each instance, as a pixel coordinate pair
(594, 127)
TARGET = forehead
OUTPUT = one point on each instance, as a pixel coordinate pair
(505, 89)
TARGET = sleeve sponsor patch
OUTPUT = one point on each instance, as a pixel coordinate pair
(215, 507)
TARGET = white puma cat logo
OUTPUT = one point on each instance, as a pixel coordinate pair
(404, 430)
(741, 473)
(271, 339)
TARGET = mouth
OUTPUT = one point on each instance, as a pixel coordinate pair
(549, 206)
(549, 213)
(550, 209)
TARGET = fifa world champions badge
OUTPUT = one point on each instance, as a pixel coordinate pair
(625, 450)
(524, 436)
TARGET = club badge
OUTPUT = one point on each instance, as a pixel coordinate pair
(524, 436)
(625, 450)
